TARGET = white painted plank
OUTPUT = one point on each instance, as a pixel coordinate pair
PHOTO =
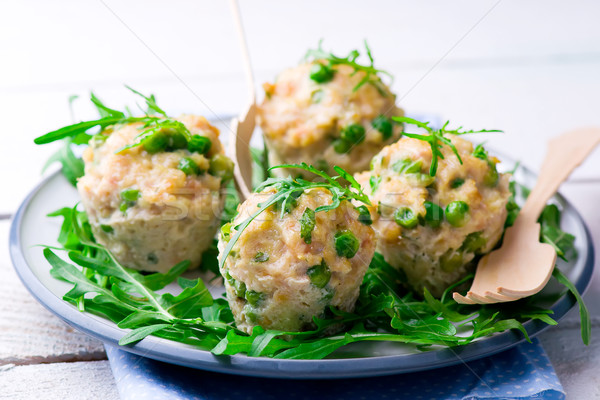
(29, 334)
(61, 381)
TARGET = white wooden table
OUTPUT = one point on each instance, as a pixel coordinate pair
(531, 68)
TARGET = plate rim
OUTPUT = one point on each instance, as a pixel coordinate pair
(167, 351)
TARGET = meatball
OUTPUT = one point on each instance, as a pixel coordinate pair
(153, 207)
(285, 270)
(328, 123)
(431, 228)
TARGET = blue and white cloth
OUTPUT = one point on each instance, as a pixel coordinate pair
(523, 372)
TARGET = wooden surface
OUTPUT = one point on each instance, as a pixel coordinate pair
(530, 68)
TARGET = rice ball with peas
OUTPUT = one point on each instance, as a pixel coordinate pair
(158, 203)
(285, 270)
(432, 228)
(327, 118)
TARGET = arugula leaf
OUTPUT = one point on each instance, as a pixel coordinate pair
(584, 315)
(72, 167)
(140, 333)
(436, 139)
(371, 73)
(551, 233)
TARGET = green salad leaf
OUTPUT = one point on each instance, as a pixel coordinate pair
(436, 138)
(325, 72)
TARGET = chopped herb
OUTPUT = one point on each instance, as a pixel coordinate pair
(319, 274)
(434, 214)
(456, 183)
(307, 224)
(107, 228)
(261, 257)
(346, 244)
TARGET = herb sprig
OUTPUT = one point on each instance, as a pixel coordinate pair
(154, 120)
(371, 73)
(288, 189)
(436, 139)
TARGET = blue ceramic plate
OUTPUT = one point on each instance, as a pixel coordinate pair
(31, 227)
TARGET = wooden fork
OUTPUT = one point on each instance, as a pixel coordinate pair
(523, 265)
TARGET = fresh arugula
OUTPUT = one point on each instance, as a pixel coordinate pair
(384, 311)
(370, 72)
(436, 139)
(153, 120)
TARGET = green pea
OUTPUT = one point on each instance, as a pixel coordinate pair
(321, 73)
(317, 96)
(261, 257)
(491, 176)
(189, 166)
(346, 244)
(421, 179)
(176, 140)
(319, 274)
(251, 313)
(456, 183)
(130, 194)
(407, 166)
(374, 182)
(239, 288)
(406, 217)
(375, 161)
(341, 146)
(328, 296)
(222, 167)
(353, 133)
(199, 144)
(364, 216)
(254, 298)
(123, 207)
(474, 243)
(155, 142)
(434, 214)
(451, 260)
(384, 126)
(457, 213)
(107, 228)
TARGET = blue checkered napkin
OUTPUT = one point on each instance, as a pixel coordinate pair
(524, 372)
